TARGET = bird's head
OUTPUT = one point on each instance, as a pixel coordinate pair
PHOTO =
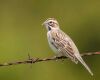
(51, 23)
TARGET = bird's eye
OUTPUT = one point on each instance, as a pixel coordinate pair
(50, 22)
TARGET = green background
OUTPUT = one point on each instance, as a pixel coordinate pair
(21, 33)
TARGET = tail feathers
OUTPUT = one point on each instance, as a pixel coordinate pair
(85, 65)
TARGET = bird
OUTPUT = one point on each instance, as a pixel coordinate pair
(62, 44)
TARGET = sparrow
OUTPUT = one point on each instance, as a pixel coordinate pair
(62, 44)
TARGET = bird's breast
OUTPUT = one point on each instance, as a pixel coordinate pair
(51, 42)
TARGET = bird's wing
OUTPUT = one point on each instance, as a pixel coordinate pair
(63, 44)
(67, 47)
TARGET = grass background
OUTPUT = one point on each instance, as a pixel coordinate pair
(21, 32)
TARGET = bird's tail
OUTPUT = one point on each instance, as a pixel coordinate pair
(85, 65)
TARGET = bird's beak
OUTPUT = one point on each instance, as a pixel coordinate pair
(42, 24)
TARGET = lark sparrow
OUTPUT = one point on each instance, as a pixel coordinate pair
(61, 43)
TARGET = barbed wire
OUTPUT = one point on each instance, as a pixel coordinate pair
(35, 60)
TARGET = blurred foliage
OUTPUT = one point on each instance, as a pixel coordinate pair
(21, 33)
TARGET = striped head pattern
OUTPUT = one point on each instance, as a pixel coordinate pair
(51, 23)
